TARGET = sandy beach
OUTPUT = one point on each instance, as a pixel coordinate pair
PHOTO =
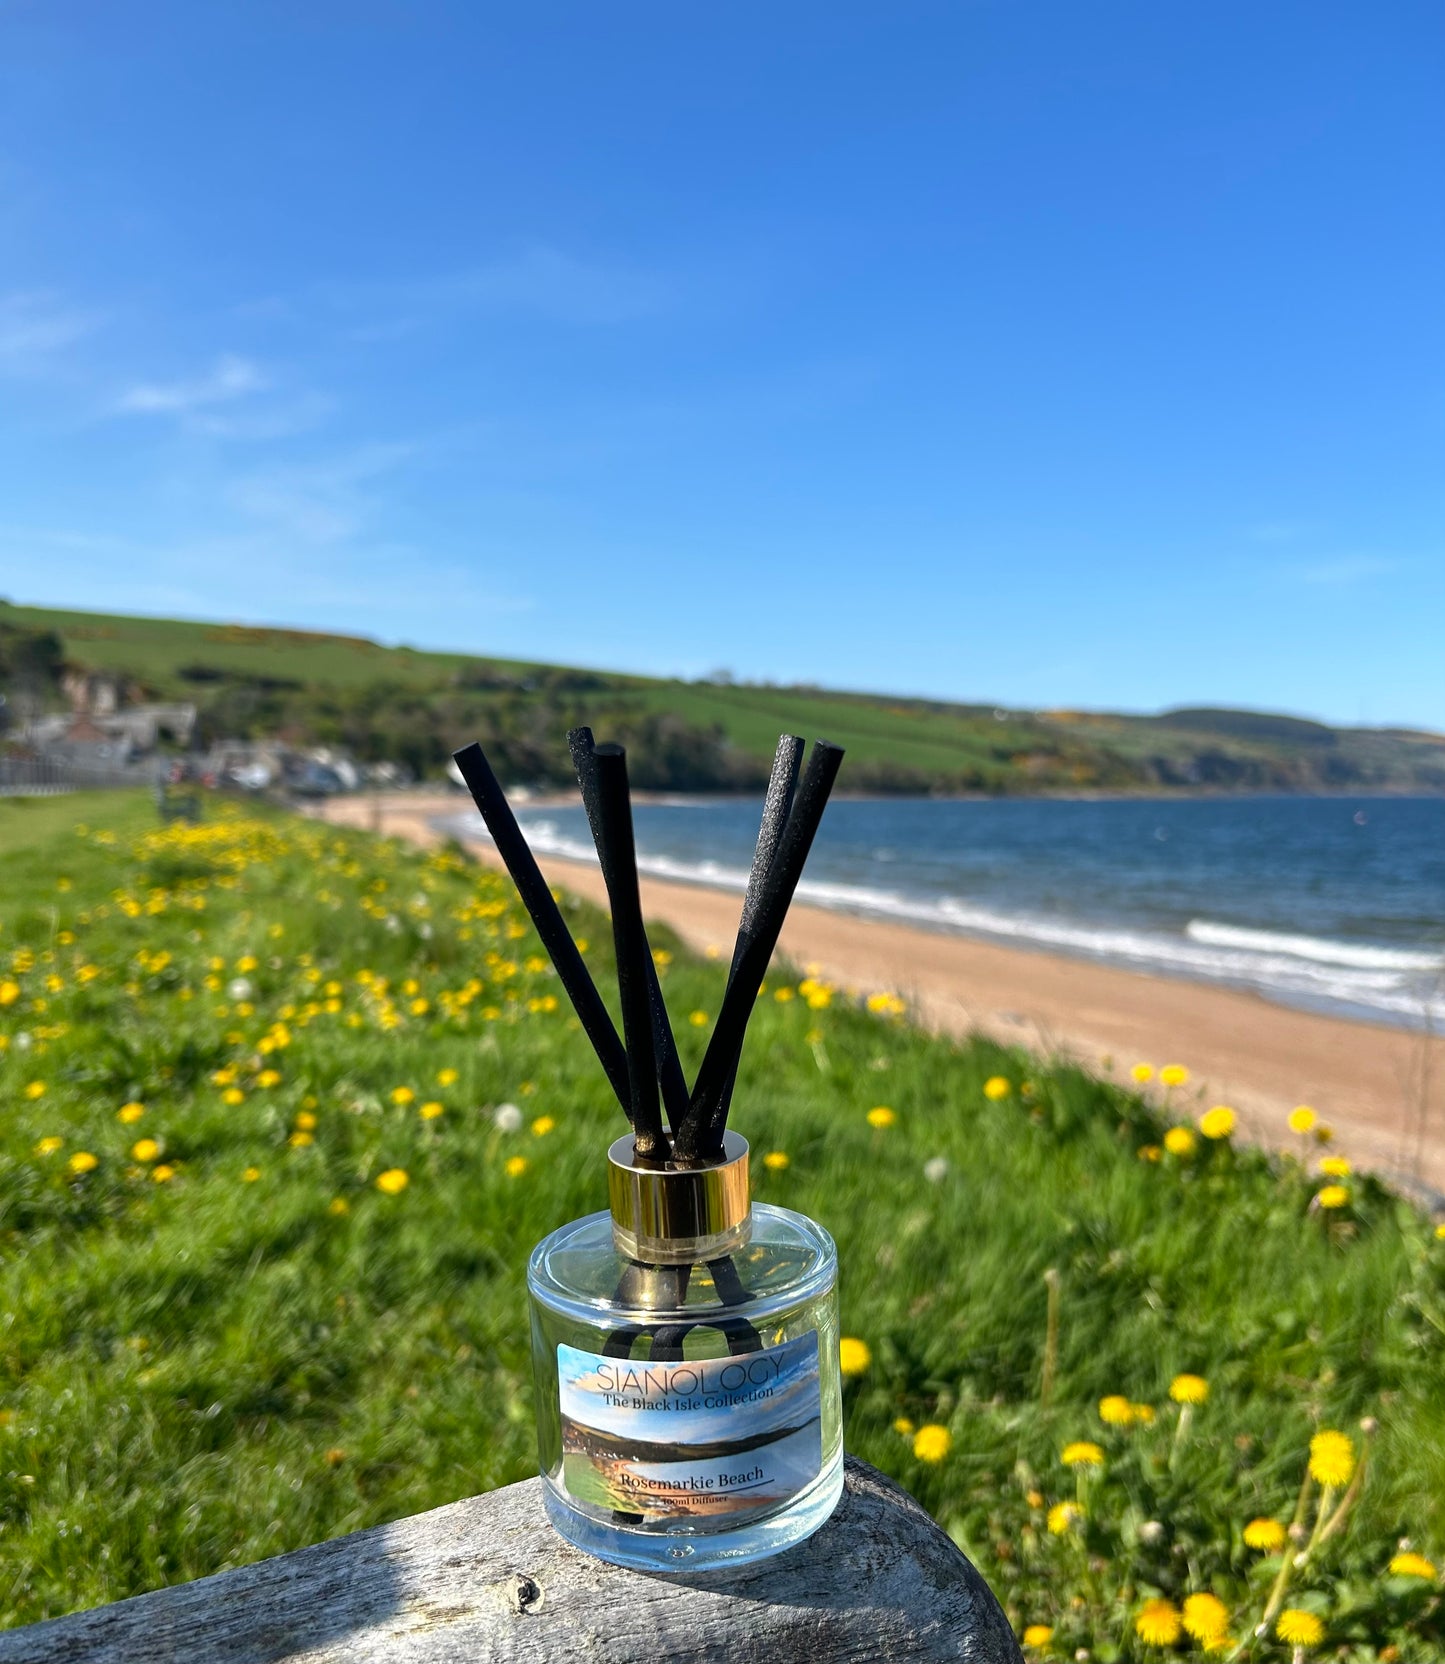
(1381, 1089)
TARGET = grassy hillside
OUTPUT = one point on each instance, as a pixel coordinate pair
(416, 707)
(263, 1235)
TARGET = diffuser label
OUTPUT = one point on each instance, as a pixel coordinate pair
(716, 1437)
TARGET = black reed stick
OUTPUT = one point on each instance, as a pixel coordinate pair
(546, 916)
(702, 1130)
(669, 1067)
(777, 806)
(619, 865)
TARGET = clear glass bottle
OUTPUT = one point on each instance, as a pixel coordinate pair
(685, 1358)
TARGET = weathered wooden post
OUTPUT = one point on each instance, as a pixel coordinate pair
(489, 1580)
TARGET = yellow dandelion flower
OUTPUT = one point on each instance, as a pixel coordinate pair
(1189, 1389)
(145, 1149)
(1217, 1122)
(250, 1175)
(783, 995)
(301, 1140)
(515, 1166)
(429, 1111)
(1116, 1411)
(996, 1087)
(36, 1089)
(1324, 1134)
(1158, 1623)
(1038, 1635)
(1143, 1073)
(1149, 1152)
(393, 1181)
(269, 1078)
(446, 1077)
(83, 1162)
(698, 1019)
(1333, 1196)
(904, 1427)
(130, 1113)
(931, 1443)
(881, 1116)
(48, 1146)
(1205, 1616)
(338, 1207)
(542, 1126)
(1332, 1458)
(306, 1121)
(1082, 1453)
(1335, 1167)
(1302, 1118)
(1063, 1515)
(1179, 1141)
(163, 1174)
(775, 1160)
(1440, 1232)
(1266, 1535)
(854, 1356)
(1298, 1628)
(1143, 1414)
(1413, 1565)
(9, 991)
(1174, 1074)
(401, 1096)
(1035, 1499)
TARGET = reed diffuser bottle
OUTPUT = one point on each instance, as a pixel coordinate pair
(684, 1342)
(685, 1360)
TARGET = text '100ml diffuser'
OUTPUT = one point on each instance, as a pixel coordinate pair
(684, 1342)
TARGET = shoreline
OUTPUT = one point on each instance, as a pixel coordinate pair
(1381, 1088)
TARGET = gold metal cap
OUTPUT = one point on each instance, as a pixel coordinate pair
(671, 1215)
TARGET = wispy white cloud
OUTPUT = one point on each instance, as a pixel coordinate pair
(35, 325)
(262, 577)
(1277, 531)
(1348, 569)
(552, 284)
(321, 503)
(231, 377)
(537, 281)
(273, 419)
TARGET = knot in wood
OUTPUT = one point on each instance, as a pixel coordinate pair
(524, 1594)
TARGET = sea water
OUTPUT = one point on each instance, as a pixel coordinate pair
(1336, 904)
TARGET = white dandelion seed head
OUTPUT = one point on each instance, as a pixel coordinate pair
(935, 1170)
(507, 1117)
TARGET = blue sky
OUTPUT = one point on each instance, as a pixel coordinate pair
(1038, 353)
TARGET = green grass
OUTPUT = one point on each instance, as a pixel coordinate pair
(199, 1372)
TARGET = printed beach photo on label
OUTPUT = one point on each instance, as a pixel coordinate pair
(707, 1437)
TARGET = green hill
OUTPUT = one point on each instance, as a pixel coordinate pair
(411, 706)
